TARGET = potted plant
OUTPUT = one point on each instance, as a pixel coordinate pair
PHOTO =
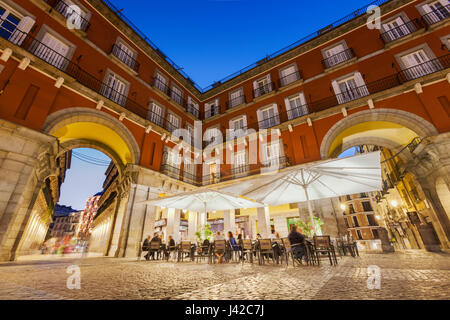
(204, 233)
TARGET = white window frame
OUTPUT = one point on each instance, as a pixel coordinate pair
(352, 93)
(299, 111)
(446, 41)
(161, 85)
(402, 30)
(121, 97)
(177, 96)
(425, 10)
(128, 58)
(411, 72)
(270, 121)
(26, 21)
(154, 116)
(173, 116)
(243, 168)
(208, 107)
(264, 89)
(209, 134)
(235, 132)
(238, 100)
(337, 57)
(289, 78)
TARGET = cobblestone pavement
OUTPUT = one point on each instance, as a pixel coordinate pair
(406, 275)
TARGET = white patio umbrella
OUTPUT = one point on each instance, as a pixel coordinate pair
(205, 200)
(320, 180)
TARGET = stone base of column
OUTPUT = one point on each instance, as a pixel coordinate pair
(429, 238)
(385, 242)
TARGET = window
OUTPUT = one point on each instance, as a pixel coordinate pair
(272, 155)
(375, 234)
(236, 98)
(52, 50)
(125, 54)
(417, 64)
(212, 135)
(371, 220)
(13, 26)
(397, 29)
(156, 114)
(336, 55)
(189, 170)
(355, 222)
(268, 117)
(192, 107)
(367, 206)
(289, 75)
(173, 122)
(190, 130)
(358, 232)
(262, 86)
(238, 127)
(161, 82)
(436, 11)
(212, 108)
(350, 88)
(80, 20)
(177, 95)
(240, 165)
(171, 158)
(115, 88)
(351, 209)
(296, 106)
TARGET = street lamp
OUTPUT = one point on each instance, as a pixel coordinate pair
(394, 203)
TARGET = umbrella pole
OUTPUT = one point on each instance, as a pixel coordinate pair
(311, 214)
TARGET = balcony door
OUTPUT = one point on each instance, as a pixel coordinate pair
(335, 55)
(115, 89)
(156, 115)
(395, 29)
(173, 120)
(296, 106)
(53, 51)
(268, 118)
(273, 155)
(436, 11)
(125, 54)
(417, 64)
(161, 83)
(13, 26)
(288, 75)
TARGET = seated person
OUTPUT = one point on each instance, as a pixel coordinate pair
(297, 241)
(219, 253)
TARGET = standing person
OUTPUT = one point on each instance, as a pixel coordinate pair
(298, 243)
(146, 247)
(233, 244)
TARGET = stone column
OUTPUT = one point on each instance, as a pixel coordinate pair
(26, 157)
(173, 224)
(192, 225)
(229, 218)
(264, 222)
(281, 226)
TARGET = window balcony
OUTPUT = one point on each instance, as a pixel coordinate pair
(276, 162)
(161, 86)
(235, 102)
(437, 15)
(170, 171)
(171, 127)
(177, 98)
(240, 171)
(298, 112)
(64, 9)
(265, 89)
(113, 95)
(193, 110)
(401, 31)
(338, 58)
(425, 68)
(290, 78)
(155, 118)
(352, 94)
(213, 111)
(236, 133)
(125, 57)
(269, 122)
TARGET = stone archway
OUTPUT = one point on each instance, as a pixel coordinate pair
(410, 124)
(443, 193)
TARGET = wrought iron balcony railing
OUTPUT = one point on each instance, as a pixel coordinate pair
(170, 171)
(236, 102)
(125, 57)
(155, 118)
(436, 16)
(401, 31)
(338, 58)
(171, 127)
(265, 89)
(290, 78)
(67, 12)
(193, 110)
(269, 122)
(297, 112)
(213, 111)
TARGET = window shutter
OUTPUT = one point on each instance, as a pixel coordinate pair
(275, 109)
(287, 103)
(302, 99)
(245, 121)
(359, 80)
(24, 26)
(336, 88)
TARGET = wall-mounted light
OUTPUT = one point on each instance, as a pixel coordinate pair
(394, 203)
(343, 207)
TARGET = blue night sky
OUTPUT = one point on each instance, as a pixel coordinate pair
(211, 39)
(214, 38)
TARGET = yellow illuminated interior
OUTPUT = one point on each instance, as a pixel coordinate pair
(380, 129)
(95, 132)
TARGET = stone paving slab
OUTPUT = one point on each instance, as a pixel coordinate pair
(407, 275)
